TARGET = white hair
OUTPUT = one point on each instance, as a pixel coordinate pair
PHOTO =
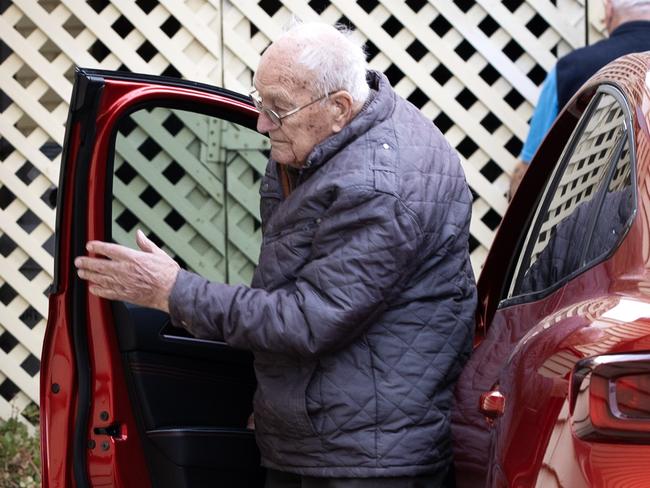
(330, 54)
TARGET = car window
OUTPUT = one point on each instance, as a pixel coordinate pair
(593, 163)
(190, 182)
(616, 210)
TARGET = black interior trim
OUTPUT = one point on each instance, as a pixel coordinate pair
(147, 329)
(87, 100)
(197, 448)
(191, 399)
(63, 185)
(174, 334)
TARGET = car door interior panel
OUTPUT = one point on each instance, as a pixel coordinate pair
(192, 400)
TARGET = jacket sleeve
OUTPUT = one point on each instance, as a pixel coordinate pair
(365, 246)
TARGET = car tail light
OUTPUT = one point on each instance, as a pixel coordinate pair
(610, 398)
(633, 396)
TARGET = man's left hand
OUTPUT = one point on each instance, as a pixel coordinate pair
(144, 277)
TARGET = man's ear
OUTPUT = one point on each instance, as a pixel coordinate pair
(342, 105)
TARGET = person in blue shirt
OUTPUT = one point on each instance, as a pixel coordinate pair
(628, 25)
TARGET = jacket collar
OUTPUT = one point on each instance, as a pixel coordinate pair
(379, 108)
(633, 26)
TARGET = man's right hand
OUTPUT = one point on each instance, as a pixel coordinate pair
(145, 277)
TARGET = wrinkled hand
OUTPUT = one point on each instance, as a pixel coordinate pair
(143, 277)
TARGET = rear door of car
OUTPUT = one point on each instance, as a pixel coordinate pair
(581, 221)
(126, 398)
(547, 276)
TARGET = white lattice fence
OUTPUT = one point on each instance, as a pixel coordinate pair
(473, 67)
(191, 183)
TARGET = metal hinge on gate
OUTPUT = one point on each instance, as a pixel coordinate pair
(213, 141)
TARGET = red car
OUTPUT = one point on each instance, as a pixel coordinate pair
(556, 394)
(557, 391)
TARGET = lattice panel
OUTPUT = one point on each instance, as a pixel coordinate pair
(191, 183)
(153, 188)
(473, 67)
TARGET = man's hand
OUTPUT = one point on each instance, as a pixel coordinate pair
(143, 277)
(517, 175)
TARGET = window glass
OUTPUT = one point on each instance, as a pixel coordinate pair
(191, 183)
(560, 232)
(616, 210)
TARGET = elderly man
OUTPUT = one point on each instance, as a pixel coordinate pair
(628, 25)
(360, 313)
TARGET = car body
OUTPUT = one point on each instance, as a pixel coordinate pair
(557, 390)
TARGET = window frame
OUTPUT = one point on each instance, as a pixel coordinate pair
(541, 209)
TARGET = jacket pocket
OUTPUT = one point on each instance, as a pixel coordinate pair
(342, 394)
(280, 404)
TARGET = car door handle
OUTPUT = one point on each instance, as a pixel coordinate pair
(492, 404)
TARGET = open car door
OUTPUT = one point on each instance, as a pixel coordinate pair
(126, 398)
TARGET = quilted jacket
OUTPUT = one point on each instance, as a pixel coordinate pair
(360, 314)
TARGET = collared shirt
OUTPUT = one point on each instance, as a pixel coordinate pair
(573, 70)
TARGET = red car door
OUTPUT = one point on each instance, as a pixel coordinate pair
(126, 399)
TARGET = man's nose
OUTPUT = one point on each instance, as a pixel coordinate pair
(264, 124)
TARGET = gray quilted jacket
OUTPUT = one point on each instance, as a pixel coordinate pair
(360, 313)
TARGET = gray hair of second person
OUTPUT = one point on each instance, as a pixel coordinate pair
(332, 57)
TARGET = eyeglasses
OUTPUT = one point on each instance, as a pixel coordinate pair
(273, 116)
